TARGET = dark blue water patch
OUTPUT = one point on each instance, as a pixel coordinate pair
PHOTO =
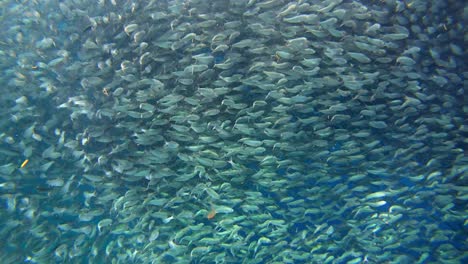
(336, 222)
(464, 259)
(335, 147)
(281, 171)
(310, 181)
(243, 233)
(293, 170)
(459, 242)
(445, 111)
(218, 58)
(384, 208)
(406, 182)
(454, 226)
(253, 165)
(298, 227)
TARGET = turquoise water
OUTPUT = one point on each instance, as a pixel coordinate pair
(233, 132)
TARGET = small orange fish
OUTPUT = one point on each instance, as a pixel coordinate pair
(24, 163)
(212, 213)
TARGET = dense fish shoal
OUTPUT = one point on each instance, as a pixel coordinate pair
(251, 131)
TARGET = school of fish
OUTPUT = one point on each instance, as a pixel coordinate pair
(233, 131)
